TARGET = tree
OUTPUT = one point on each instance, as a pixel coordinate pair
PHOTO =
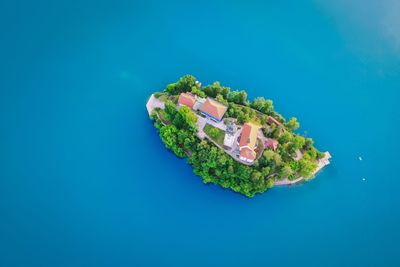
(286, 172)
(264, 120)
(298, 142)
(286, 137)
(269, 154)
(320, 155)
(186, 140)
(273, 157)
(186, 119)
(223, 159)
(263, 105)
(238, 97)
(243, 97)
(198, 91)
(189, 118)
(265, 171)
(221, 99)
(169, 136)
(171, 89)
(306, 168)
(243, 117)
(312, 153)
(233, 97)
(308, 143)
(292, 124)
(170, 110)
(256, 176)
(215, 89)
(270, 183)
(184, 84)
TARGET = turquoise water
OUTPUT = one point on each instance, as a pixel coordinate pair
(85, 180)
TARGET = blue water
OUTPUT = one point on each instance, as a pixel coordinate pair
(85, 180)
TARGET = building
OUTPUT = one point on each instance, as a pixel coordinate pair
(271, 143)
(248, 142)
(213, 109)
(187, 99)
(231, 128)
(229, 138)
(199, 103)
(272, 120)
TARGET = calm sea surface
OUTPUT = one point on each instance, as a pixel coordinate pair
(85, 180)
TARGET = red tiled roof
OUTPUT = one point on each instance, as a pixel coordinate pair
(274, 121)
(214, 108)
(249, 135)
(271, 143)
(187, 99)
(247, 153)
(248, 141)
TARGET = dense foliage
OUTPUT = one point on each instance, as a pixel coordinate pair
(178, 129)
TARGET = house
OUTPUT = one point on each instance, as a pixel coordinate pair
(272, 120)
(187, 99)
(248, 142)
(213, 109)
(271, 143)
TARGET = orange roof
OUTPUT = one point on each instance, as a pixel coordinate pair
(274, 121)
(249, 135)
(248, 153)
(271, 143)
(187, 99)
(214, 108)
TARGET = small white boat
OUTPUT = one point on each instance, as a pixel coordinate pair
(360, 158)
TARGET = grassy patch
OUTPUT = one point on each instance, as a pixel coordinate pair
(157, 94)
(163, 97)
(215, 134)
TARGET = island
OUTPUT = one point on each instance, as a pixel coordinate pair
(230, 141)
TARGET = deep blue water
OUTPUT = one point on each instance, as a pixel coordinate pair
(85, 180)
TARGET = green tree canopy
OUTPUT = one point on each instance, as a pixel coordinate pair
(215, 89)
(306, 168)
(198, 91)
(238, 97)
(170, 110)
(185, 119)
(263, 105)
(169, 136)
(221, 99)
(286, 172)
(292, 124)
(184, 84)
